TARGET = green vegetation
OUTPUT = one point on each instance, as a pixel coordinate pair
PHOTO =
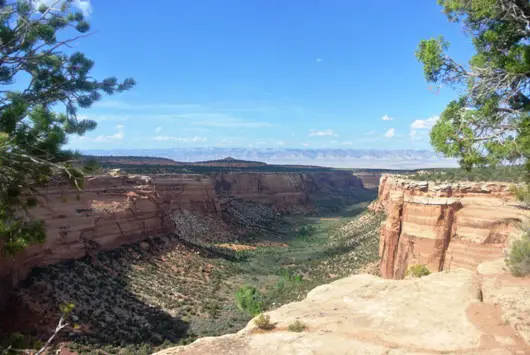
(489, 124)
(297, 326)
(502, 173)
(306, 231)
(522, 193)
(16, 341)
(418, 271)
(39, 71)
(263, 322)
(138, 300)
(249, 300)
(203, 169)
(519, 257)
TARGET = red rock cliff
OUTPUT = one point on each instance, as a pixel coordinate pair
(111, 211)
(444, 226)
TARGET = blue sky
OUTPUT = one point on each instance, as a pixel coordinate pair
(274, 73)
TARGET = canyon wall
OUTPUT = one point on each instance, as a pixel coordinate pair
(444, 225)
(111, 211)
(370, 179)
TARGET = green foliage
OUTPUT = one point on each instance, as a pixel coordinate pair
(177, 290)
(522, 193)
(501, 173)
(13, 343)
(306, 231)
(263, 322)
(297, 326)
(418, 271)
(489, 125)
(519, 257)
(91, 166)
(33, 54)
(66, 308)
(249, 300)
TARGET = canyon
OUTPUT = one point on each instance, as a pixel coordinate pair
(114, 210)
(470, 304)
(164, 254)
(445, 225)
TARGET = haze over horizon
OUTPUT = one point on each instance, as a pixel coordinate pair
(334, 158)
(325, 75)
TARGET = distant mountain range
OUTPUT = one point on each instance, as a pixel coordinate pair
(337, 158)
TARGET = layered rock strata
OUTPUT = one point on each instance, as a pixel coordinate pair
(111, 211)
(444, 226)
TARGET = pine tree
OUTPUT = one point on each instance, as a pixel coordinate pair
(489, 124)
(43, 86)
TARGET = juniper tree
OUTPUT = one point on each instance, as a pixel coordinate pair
(43, 83)
(489, 124)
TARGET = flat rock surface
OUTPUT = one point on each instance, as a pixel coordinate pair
(364, 314)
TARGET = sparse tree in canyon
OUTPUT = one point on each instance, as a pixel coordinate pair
(43, 84)
(489, 124)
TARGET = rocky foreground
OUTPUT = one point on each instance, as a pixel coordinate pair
(451, 312)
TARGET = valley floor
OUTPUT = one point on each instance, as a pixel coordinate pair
(168, 291)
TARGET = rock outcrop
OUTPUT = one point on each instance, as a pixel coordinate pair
(370, 179)
(439, 314)
(111, 211)
(444, 226)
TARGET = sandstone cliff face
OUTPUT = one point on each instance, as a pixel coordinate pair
(370, 179)
(111, 211)
(444, 226)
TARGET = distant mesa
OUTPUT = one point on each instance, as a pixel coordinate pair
(131, 160)
(145, 160)
(229, 162)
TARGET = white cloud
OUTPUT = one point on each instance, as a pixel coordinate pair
(424, 124)
(84, 5)
(180, 139)
(280, 143)
(390, 133)
(113, 137)
(320, 60)
(420, 128)
(158, 129)
(387, 118)
(325, 132)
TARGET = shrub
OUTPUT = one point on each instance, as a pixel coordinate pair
(519, 258)
(249, 300)
(306, 231)
(297, 326)
(522, 193)
(418, 271)
(264, 322)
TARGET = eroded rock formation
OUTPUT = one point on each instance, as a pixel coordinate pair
(443, 313)
(444, 226)
(111, 211)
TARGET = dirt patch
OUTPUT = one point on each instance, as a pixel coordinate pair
(240, 247)
(497, 333)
